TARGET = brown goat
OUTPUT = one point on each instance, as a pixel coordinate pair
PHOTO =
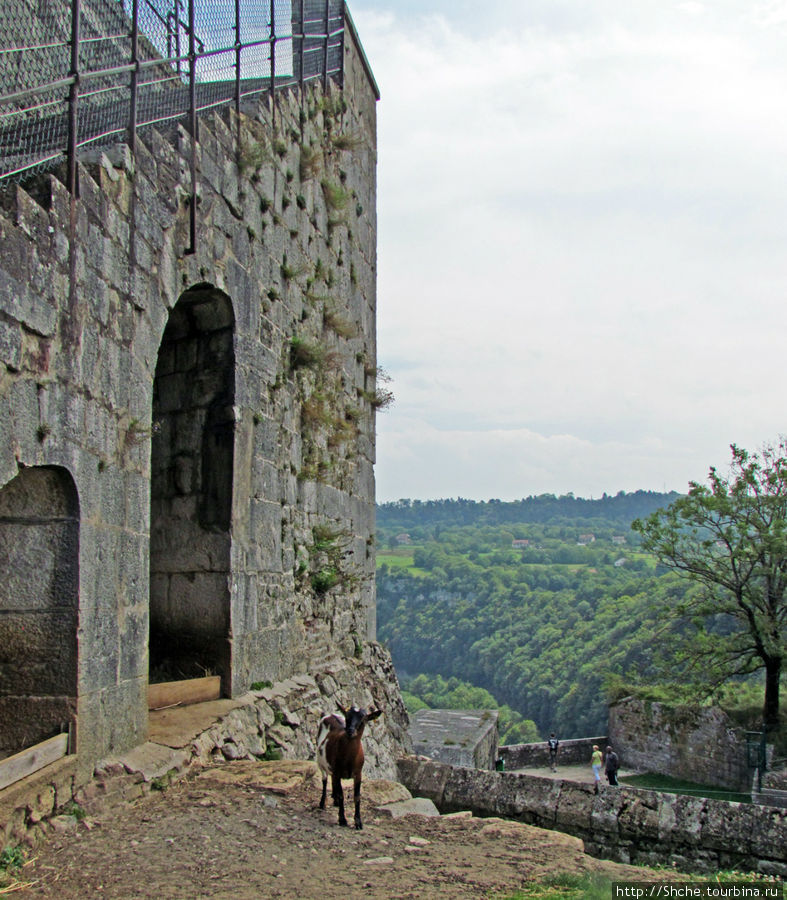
(340, 755)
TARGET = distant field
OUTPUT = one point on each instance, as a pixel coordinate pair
(395, 560)
(400, 559)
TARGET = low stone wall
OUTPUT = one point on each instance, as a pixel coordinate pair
(623, 824)
(700, 744)
(282, 719)
(570, 753)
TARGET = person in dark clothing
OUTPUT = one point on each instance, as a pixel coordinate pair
(553, 743)
(611, 766)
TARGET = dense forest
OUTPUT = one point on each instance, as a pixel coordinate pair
(546, 603)
(547, 509)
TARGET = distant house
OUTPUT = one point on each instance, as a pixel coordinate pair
(519, 543)
(585, 539)
(620, 562)
(618, 538)
(402, 538)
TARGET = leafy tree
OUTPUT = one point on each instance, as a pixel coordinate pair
(730, 538)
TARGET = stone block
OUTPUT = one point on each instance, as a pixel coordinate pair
(416, 806)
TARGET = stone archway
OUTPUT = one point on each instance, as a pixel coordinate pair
(191, 490)
(39, 607)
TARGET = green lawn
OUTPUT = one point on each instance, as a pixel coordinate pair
(395, 560)
(669, 785)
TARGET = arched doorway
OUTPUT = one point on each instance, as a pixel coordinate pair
(39, 607)
(191, 490)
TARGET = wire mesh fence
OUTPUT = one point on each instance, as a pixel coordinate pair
(79, 73)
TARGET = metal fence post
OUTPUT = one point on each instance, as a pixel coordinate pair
(303, 44)
(73, 101)
(132, 118)
(327, 39)
(273, 60)
(237, 69)
(193, 128)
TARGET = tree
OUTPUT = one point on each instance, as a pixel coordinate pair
(730, 538)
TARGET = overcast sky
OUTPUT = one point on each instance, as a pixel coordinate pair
(582, 241)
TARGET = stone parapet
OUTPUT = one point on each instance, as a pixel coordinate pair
(570, 753)
(623, 824)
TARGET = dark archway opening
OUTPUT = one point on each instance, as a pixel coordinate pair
(39, 607)
(191, 490)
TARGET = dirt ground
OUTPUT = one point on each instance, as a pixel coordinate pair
(252, 831)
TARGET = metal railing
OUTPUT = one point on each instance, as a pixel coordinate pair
(90, 73)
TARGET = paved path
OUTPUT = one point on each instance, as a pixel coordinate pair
(568, 773)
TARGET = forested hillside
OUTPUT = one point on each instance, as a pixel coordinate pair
(545, 602)
(546, 509)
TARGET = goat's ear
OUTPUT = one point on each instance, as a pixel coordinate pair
(342, 710)
(374, 714)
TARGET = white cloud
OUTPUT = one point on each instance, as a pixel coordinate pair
(581, 219)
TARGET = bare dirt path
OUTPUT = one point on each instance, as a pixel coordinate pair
(252, 831)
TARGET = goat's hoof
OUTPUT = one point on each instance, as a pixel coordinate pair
(359, 826)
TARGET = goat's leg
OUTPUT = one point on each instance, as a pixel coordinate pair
(357, 798)
(324, 790)
(338, 796)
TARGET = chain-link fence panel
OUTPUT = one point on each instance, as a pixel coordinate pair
(111, 67)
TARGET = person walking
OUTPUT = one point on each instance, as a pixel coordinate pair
(554, 743)
(595, 764)
(611, 766)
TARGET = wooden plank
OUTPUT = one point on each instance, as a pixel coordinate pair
(24, 763)
(182, 693)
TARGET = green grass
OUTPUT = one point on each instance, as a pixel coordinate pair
(565, 886)
(669, 785)
(395, 560)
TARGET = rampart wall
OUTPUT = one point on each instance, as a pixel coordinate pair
(187, 439)
(698, 744)
(570, 753)
(623, 824)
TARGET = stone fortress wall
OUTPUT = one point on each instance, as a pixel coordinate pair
(623, 824)
(187, 440)
(699, 744)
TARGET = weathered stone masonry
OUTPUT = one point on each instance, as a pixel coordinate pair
(623, 824)
(187, 440)
(700, 744)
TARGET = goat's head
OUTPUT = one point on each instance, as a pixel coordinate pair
(355, 719)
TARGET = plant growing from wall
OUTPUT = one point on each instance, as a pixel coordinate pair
(378, 397)
(255, 155)
(306, 354)
(336, 196)
(310, 164)
(336, 322)
(332, 106)
(329, 554)
(350, 140)
(288, 271)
